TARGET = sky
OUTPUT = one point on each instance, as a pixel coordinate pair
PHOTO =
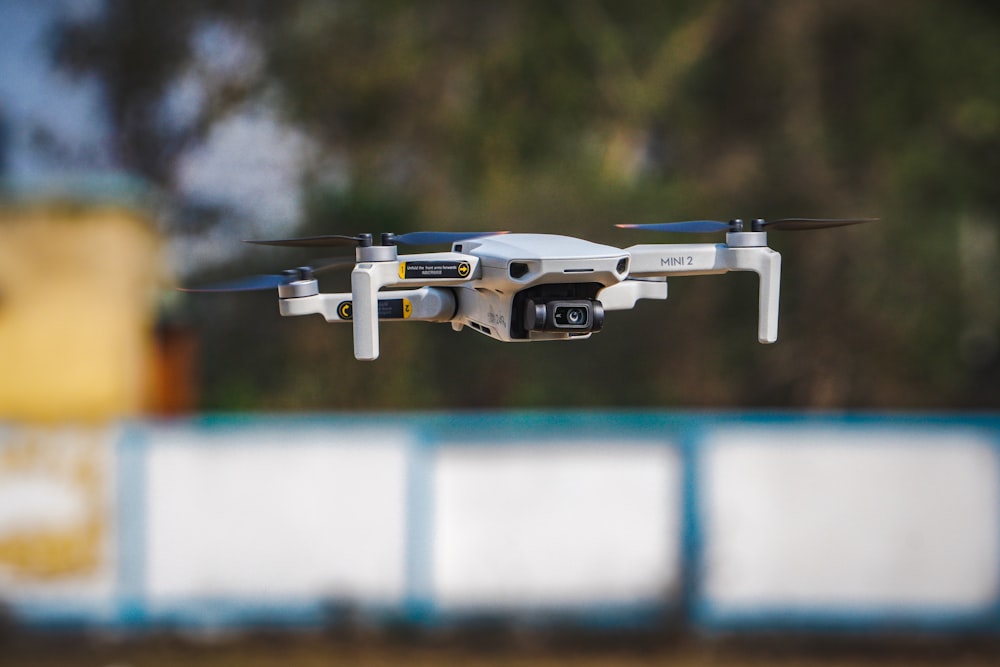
(59, 134)
(55, 124)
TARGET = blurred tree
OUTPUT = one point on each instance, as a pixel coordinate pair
(567, 117)
(139, 48)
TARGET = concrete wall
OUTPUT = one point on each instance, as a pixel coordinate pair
(729, 521)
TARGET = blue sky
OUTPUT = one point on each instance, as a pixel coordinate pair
(59, 133)
(56, 123)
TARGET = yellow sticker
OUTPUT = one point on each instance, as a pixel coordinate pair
(434, 269)
(388, 309)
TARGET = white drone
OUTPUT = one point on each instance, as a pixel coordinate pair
(520, 287)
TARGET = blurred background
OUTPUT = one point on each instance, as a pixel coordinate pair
(142, 141)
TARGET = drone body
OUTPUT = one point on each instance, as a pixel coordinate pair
(520, 287)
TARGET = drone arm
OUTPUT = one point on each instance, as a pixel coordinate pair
(675, 259)
(366, 281)
(699, 259)
(416, 270)
(624, 295)
(426, 304)
(766, 263)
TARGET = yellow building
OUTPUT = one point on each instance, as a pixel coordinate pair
(78, 295)
(77, 305)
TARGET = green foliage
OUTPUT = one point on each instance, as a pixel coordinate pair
(568, 117)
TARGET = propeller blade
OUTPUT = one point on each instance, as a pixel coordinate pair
(272, 281)
(687, 226)
(785, 224)
(430, 238)
(333, 264)
(340, 240)
(803, 224)
(325, 241)
(248, 284)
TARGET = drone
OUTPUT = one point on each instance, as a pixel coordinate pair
(517, 287)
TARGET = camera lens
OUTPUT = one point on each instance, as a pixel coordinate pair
(571, 316)
(534, 315)
(566, 316)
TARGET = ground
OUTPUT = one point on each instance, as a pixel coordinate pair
(303, 650)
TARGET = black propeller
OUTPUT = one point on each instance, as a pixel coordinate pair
(758, 225)
(366, 240)
(273, 280)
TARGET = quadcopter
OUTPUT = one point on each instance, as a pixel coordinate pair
(517, 287)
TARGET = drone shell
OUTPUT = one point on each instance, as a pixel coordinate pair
(527, 259)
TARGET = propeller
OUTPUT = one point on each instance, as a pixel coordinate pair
(366, 240)
(804, 224)
(272, 280)
(758, 225)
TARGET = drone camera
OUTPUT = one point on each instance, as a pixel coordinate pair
(572, 316)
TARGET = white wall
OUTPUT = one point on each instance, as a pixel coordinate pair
(271, 513)
(740, 517)
(850, 519)
(556, 524)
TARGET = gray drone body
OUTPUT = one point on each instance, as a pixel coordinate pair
(523, 287)
(537, 286)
